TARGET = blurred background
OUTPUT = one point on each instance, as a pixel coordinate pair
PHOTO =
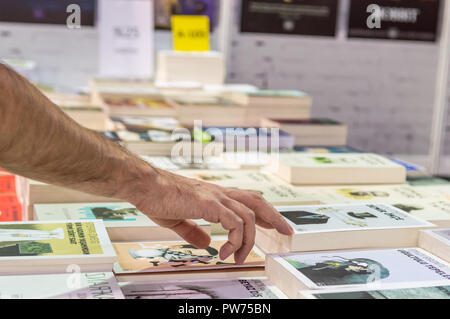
(387, 86)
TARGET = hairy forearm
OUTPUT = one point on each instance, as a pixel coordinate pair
(39, 141)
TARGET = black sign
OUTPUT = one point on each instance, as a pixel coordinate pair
(45, 11)
(299, 17)
(415, 20)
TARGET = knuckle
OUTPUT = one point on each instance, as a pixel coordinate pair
(251, 216)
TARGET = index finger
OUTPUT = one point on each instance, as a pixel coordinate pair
(262, 209)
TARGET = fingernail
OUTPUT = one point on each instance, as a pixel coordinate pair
(226, 252)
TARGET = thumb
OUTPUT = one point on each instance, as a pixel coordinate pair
(188, 230)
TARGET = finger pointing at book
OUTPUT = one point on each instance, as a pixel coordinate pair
(39, 141)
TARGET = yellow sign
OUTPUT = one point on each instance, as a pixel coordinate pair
(190, 33)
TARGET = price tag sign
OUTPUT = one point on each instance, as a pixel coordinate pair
(126, 38)
(190, 33)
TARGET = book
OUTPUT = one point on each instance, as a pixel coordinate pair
(232, 288)
(233, 178)
(100, 285)
(412, 170)
(368, 193)
(240, 139)
(176, 257)
(274, 190)
(10, 208)
(247, 160)
(437, 242)
(164, 143)
(319, 132)
(51, 247)
(154, 105)
(280, 104)
(332, 227)
(337, 169)
(434, 210)
(404, 291)
(357, 269)
(207, 68)
(144, 124)
(36, 192)
(210, 110)
(280, 194)
(123, 221)
(426, 181)
(179, 163)
(325, 149)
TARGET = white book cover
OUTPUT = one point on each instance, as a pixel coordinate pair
(54, 242)
(347, 217)
(368, 193)
(336, 160)
(112, 214)
(232, 288)
(61, 286)
(340, 269)
(405, 291)
(432, 209)
(233, 177)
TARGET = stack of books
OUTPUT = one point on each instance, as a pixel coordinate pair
(317, 132)
(198, 67)
(272, 104)
(210, 110)
(337, 169)
(358, 270)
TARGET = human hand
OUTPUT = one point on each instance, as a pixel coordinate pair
(172, 200)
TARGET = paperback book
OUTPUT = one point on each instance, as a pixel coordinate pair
(402, 292)
(50, 247)
(123, 221)
(319, 132)
(101, 285)
(175, 256)
(232, 288)
(337, 169)
(437, 242)
(368, 193)
(293, 272)
(434, 210)
(348, 226)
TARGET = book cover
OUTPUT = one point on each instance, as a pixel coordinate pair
(138, 102)
(340, 269)
(175, 256)
(61, 286)
(233, 288)
(368, 193)
(431, 209)
(405, 292)
(112, 214)
(233, 178)
(20, 241)
(329, 218)
(331, 160)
